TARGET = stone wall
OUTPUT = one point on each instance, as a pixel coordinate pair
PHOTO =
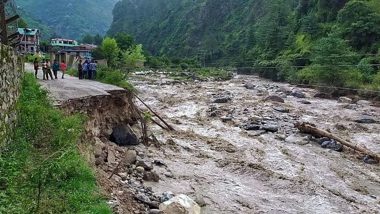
(10, 84)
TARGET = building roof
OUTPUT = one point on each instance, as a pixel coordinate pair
(27, 31)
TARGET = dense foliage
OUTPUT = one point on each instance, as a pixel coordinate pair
(329, 42)
(41, 171)
(69, 18)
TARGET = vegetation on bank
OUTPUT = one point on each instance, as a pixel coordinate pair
(41, 171)
(318, 42)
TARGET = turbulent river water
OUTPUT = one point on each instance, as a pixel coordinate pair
(211, 158)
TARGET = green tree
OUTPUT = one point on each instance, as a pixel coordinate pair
(110, 50)
(134, 58)
(359, 24)
(124, 41)
(332, 62)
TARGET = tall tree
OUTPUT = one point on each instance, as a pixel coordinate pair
(359, 24)
(110, 50)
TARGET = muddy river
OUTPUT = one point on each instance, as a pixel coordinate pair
(212, 158)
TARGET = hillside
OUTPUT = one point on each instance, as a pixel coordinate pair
(308, 41)
(232, 28)
(71, 18)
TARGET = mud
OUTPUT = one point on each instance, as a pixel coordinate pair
(214, 160)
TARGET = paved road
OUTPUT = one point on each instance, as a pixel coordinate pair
(72, 88)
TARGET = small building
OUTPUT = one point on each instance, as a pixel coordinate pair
(63, 44)
(71, 53)
(28, 40)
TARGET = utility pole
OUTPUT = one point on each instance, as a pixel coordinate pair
(3, 23)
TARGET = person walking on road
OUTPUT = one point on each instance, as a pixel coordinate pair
(85, 69)
(44, 66)
(92, 70)
(63, 68)
(36, 67)
(55, 69)
(80, 69)
(48, 70)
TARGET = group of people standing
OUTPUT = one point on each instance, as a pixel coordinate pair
(87, 70)
(47, 69)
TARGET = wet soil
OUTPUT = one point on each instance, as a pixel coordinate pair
(213, 159)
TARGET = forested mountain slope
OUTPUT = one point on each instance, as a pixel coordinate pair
(71, 18)
(277, 36)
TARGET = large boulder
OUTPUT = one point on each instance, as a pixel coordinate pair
(180, 204)
(122, 135)
(365, 120)
(344, 100)
(322, 96)
(275, 98)
(298, 94)
(249, 86)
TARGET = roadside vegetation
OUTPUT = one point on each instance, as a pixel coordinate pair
(41, 171)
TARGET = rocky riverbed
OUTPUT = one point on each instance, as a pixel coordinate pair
(236, 150)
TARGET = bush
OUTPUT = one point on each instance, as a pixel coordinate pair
(114, 77)
(216, 73)
(376, 81)
(72, 72)
(42, 170)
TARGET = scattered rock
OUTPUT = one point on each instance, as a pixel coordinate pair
(363, 103)
(365, 120)
(270, 128)
(298, 94)
(159, 163)
(369, 160)
(333, 145)
(123, 135)
(226, 119)
(140, 169)
(281, 109)
(130, 157)
(147, 165)
(222, 100)
(143, 198)
(111, 157)
(155, 211)
(275, 98)
(251, 127)
(340, 127)
(151, 176)
(305, 102)
(180, 204)
(146, 200)
(344, 100)
(98, 161)
(166, 196)
(322, 96)
(249, 86)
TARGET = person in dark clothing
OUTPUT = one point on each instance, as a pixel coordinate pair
(85, 69)
(36, 67)
(55, 69)
(92, 69)
(80, 70)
